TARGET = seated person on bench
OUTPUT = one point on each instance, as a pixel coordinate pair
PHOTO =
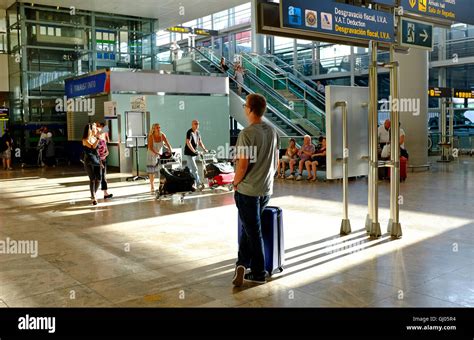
(317, 159)
(290, 154)
(304, 154)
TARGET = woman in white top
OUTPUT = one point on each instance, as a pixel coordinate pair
(156, 139)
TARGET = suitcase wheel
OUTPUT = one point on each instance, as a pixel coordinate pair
(231, 187)
(280, 269)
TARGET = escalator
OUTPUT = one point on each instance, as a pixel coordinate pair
(285, 79)
(281, 113)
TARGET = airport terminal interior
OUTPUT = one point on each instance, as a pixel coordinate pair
(374, 226)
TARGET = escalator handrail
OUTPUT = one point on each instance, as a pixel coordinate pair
(262, 68)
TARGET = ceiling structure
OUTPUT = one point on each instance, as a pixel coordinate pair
(168, 12)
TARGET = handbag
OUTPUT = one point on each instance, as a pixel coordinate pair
(385, 151)
(404, 153)
(91, 157)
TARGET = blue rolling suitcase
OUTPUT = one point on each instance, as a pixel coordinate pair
(272, 232)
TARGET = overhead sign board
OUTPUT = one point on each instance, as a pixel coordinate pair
(336, 19)
(391, 3)
(452, 10)
(205, 32)
(416, 34)
(440, 92)
(466, 94)
(4, 112)
(180, 29)
(89, 85)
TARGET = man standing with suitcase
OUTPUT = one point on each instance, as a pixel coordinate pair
(257, 159)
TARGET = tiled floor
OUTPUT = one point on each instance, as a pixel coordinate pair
(136, 251)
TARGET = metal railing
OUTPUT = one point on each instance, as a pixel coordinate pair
(296, 76)
(272, 64)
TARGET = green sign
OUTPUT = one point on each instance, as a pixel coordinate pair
(416, 34)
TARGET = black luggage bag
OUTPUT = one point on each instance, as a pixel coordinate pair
(176, 180)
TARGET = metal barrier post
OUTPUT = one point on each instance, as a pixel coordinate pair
(375, 230)
(442, 127)
(451, 129)
(394, 226)
(345, 224)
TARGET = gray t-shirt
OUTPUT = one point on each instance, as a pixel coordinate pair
(259, 143)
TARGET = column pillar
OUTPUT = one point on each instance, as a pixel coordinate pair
(257, 39)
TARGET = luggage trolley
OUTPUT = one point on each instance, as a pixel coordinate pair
(221, 180)
(174, 162)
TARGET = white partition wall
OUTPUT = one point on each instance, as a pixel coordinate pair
(357, 99)
(175, 113)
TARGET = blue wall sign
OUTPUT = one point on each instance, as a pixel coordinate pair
(453, 10)
(329, 17)
(385, 2)
(89, 85)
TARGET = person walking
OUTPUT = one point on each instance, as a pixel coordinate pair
(6, 146)
(193, 141)
(90, 141)
(49, 152)
(253, 184)
(223, 65)
(321, 89)
(239, 78)
(156, 140)
(103, 152)
(43, 140)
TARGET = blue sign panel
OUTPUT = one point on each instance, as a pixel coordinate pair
(329, 17)
(385, 2)
(93, 84)
(452, 10)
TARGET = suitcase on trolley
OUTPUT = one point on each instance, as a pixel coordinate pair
(215, 169)
(272, 233)
(222, 179)
(175, 181)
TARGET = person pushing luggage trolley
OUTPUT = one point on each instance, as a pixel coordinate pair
(193, 141)
(253, 184)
